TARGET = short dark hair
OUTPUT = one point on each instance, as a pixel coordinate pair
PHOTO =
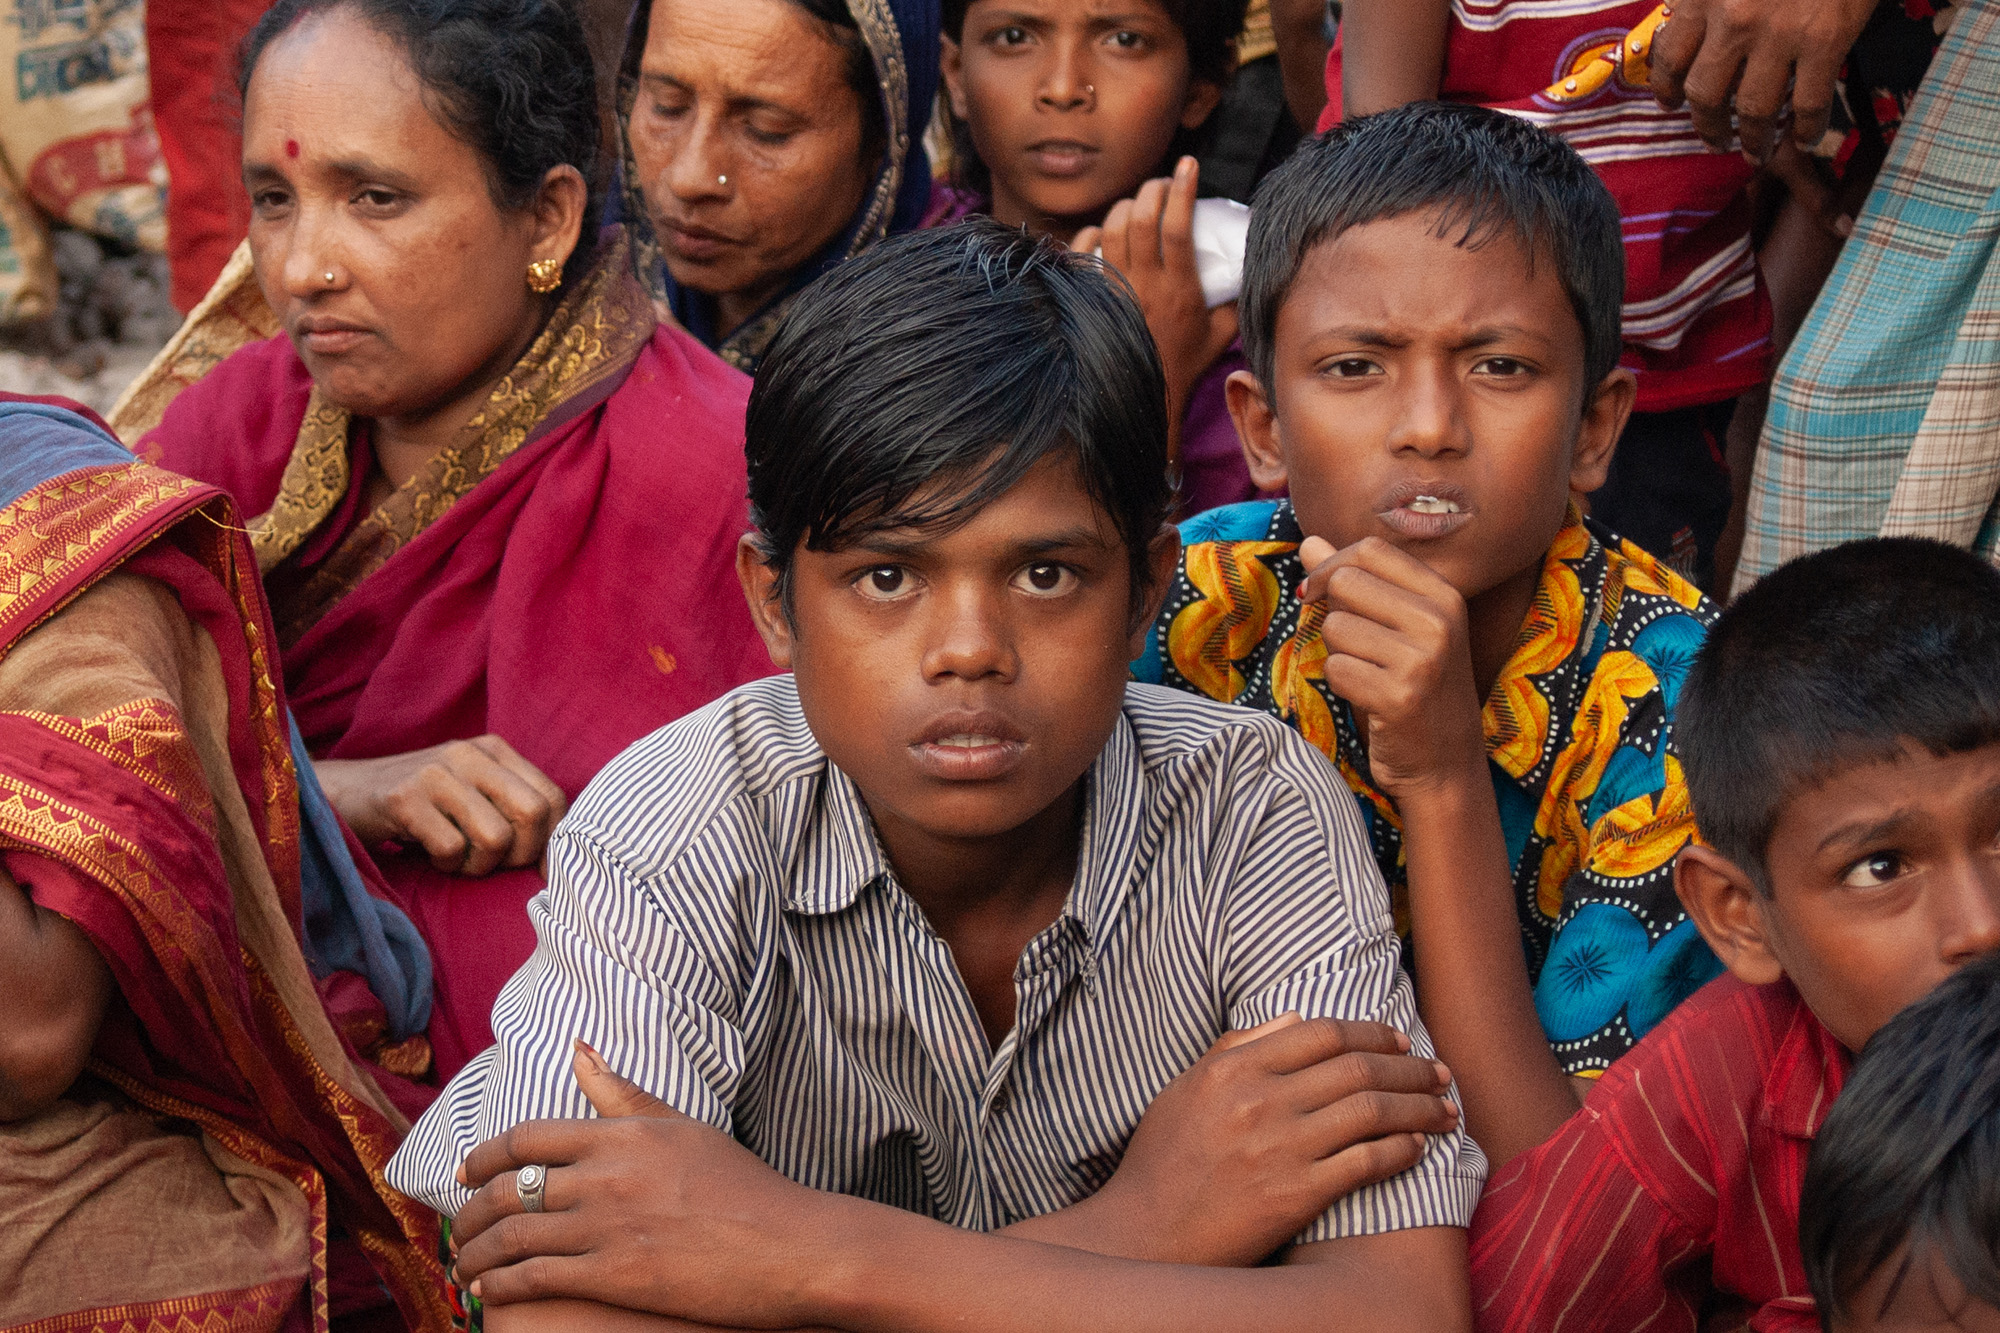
(1839, 657)
(1910, 1152)
(1209, 27)
(961, 355)
(1485, 174)
(511, 78)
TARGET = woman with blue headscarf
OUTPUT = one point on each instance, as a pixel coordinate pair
(765, 141)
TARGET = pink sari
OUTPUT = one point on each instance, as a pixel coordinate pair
(562, 576)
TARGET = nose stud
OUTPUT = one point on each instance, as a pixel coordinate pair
(722, 180)
(328, 275)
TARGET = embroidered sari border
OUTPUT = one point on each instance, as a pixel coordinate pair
(245, 1310)
(53, 538)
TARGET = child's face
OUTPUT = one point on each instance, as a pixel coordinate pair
(1884, 879)
(1407, 366)
(1072, 103)
(965, 680)
(1928, 1298)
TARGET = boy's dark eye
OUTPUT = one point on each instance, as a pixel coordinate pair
(1352, 367)
(1873, 871)
(1503, 366)
(1127, 40)
(883, 581)
(1045, 579)
(1009, 36)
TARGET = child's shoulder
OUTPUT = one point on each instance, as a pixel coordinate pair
(1172, 726)
(1249, 521)
(1714, 1054)
(666, 791)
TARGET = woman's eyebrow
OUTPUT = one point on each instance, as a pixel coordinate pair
(735, 100)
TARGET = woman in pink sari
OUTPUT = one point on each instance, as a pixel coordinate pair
(495, 505)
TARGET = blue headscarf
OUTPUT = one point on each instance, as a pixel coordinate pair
(902, 40)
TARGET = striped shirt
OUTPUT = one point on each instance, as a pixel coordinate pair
(722, 923)
(1885, 413)
(1697, 320)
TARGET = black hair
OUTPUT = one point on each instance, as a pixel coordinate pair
(913, 384)
(512, 78)
(1209, 27)
(1840, 657)
(1910, 1153)
(1483, 173)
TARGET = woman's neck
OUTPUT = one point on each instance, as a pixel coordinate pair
(404, 444)
(734, 309)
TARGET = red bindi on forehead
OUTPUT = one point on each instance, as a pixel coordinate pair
(291, 148)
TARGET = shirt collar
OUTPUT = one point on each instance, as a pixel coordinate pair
(1806, 1074)
(1547, 661)
(840, 854)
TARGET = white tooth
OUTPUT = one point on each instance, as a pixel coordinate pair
(1430, 504)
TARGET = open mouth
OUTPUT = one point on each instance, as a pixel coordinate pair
(1432, 504)
(969, 747)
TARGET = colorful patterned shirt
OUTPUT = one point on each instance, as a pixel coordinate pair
(1676, 1188)
(1578, 734)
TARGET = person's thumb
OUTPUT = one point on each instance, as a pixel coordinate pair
(611, 1093)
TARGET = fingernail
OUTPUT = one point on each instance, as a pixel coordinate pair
(474, 1288)
(1403, 1042)
(1844, 225)
(459, 1174)
(1444, 1071)
(591, 1057)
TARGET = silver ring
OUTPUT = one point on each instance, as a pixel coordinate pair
(528, 1183)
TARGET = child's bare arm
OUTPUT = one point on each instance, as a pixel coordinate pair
(1300, 29)
(53, 989)
(1397, 650)
(1392, 53)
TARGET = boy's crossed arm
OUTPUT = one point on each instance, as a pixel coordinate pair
(1398, 650)
(666, 1214)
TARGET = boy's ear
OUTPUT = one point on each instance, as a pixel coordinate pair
(1163, 559)
(1605, 413)
(951, 67)
(1727, 907)
(1256, 429)
(767, 609)
(1202, 99)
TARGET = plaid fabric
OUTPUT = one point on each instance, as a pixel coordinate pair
(1885, 413)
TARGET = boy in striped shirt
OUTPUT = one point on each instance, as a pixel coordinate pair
(955, 931)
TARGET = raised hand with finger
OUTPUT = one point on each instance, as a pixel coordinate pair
(1398, 651)
(1149, 239)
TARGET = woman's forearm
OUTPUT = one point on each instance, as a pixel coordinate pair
(1392, 52)
(53, 990)
(1471, 973)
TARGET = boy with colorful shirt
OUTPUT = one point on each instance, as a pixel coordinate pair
(1431, 308)
(1841, 730)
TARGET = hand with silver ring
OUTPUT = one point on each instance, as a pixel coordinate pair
(529, 1182)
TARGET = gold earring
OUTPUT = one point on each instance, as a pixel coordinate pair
(544, 276)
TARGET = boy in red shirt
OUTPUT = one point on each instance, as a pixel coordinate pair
(1840, 733)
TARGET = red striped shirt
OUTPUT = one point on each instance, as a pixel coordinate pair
(1697, 318)
(1676, 1187)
